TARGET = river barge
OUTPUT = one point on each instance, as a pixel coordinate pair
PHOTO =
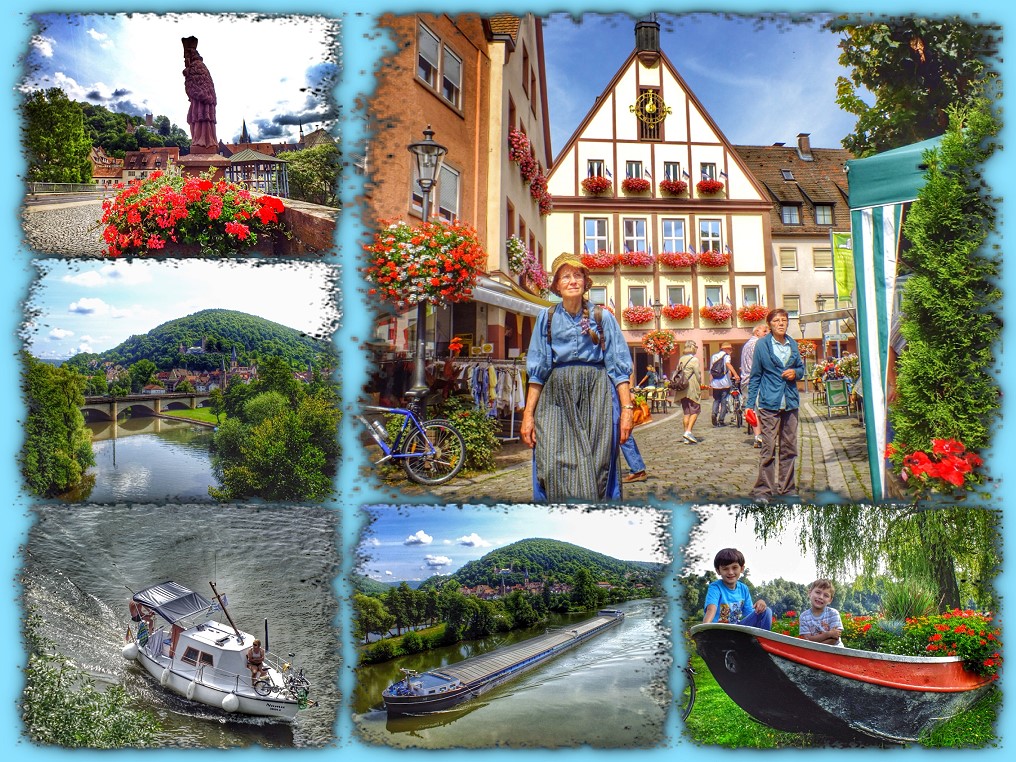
(847, 694)
(444, 687)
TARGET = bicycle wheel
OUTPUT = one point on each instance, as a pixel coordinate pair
(738, 415)
(689, 702)
(440, 466)
(263, 687)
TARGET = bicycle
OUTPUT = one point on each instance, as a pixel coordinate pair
(295, 684)
(736, 407)
(430, 452)
(686, 708)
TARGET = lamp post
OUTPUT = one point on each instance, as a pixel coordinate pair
(657, 311)
(428, 156)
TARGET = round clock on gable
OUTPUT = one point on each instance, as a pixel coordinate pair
(650, 108)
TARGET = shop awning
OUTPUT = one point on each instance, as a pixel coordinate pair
(508, 297)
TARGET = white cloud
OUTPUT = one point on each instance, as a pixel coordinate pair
(419, 538)
(89, 306)
(473, 541)
(86, 337)
(60, 333)
(110, 275)
(374, 541)
(84, 347)
(103, 39)
(44, 45)
(388, 573)
(436, 562)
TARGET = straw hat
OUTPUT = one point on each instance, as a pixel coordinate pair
(572, 260)
(726, 345)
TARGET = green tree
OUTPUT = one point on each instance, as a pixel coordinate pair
(584, 594)
(218, 403)
(370, 616)
(184, 387)
(314, 174)
(96, 385)
(54, 137)
(916, 69)
(58, 445)
(141, 374)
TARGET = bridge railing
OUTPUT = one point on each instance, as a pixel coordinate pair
(37, 188)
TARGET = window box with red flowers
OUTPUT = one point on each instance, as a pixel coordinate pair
(635, 185)
(638, 315)
(601, 260)
(718, 313)
(596, 185)
(436, 262)
(752, 313)
(677, 311)
(715, 259)
(677, 258)
(673, 187)
(661, 343)
(708, 187)
(636, 259)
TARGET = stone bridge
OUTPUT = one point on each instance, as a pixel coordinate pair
(108, 408)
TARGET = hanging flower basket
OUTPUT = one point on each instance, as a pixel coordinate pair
(436, 262)
(719, 313)
(708, 187)
(636, 259)
(713, 259)
(517, 251)
(677, 258)
(752, 313)
(677, 311)
(546, 204)
(635, 185)
(661, 343)
(807, 348)
(533, 276)
(601, 260)
(673, 187)
(596, 185)
(638, 315)
(164, 213)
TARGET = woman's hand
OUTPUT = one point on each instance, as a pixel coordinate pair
(789, 374)
(627, 423)
(528, 431)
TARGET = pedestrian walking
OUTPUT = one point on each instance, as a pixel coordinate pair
(721, 381)
(747, 354)
(687, 383)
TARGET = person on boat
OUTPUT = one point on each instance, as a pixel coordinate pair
(728, 600)
(579, 406)
(256, 660)
(821, 623)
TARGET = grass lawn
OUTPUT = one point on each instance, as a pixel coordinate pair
(717, 720)
(203, 414)
(437, 629)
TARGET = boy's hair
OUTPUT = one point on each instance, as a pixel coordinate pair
(728, 556)
(823, 584)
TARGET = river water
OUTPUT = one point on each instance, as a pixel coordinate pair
(274, 563)
(608, 692)
(148, 459)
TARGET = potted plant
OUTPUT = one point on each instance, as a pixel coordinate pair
(636, 259)
(517, 251)
(635, 185)
(717, 313)
(677, 258)
(533, 276)
(601, 260)
(661, 343)
(708, 187)
(753, 313)
(637, 315)
(714, 259)
(673, 187)
(596, 185)
(435, 261)
(677, 311)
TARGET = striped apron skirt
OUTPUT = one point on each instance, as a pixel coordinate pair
(576, 454)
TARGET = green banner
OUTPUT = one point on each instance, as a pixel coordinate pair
(843, 265)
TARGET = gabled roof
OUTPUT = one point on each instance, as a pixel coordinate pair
(506, 24)
(249, 154)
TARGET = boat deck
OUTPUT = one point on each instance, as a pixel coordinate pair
(479, 667)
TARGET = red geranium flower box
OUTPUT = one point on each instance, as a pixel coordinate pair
(719, 313)
(677, 258)
(676, 311)
(601, 260)
(714, 259)
(635, 185)
(638, 315)
(709, 187)
(752, 313)
(636, 259)
(673, 187)
(596, 185)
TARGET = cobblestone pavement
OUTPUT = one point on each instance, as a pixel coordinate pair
(832, 464)
(68, 228)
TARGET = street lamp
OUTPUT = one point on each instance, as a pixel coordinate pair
(657, 311)
(428, 156)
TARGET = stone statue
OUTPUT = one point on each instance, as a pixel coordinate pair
(201, 92)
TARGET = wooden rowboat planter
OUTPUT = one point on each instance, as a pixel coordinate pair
(846, 694)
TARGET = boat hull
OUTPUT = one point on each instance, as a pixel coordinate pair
(849, 695)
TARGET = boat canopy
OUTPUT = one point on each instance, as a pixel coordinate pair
(172, 601)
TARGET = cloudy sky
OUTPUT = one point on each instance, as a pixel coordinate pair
(414, 543)
(92, 306)
(273, 72)
(762, 80)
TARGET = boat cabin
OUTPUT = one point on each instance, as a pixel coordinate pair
(213, 645)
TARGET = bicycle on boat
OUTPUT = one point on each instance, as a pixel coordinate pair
(430, 452)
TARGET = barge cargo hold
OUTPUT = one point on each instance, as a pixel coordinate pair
(445, 687)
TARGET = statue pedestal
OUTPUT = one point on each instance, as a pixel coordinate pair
(200, 163)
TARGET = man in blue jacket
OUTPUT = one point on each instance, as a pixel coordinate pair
(772, 390)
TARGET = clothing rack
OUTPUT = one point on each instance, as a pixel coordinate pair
(497, 363)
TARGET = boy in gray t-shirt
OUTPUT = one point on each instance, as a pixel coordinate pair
(821, 623)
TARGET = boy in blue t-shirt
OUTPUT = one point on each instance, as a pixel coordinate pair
(728, 599)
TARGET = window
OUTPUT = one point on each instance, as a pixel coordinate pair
(791, 214)
(675, 294)
(509, 220)
(633, 169)
(708, 171)
(823, 259)
(193, 656)
(709, 235)
(525, 69)
(749, 295)
(788, 259)
(451, 78)
(671, 170)
(512, 113)
(595, 168)
(637, 296)
(448, 194)
(823, 214)
(787, 174)
(598, 295)
(792, 304)
(673, 235)
(714, 295)
(428, 54)
(595, 235)
(635, 235)
(522, 229)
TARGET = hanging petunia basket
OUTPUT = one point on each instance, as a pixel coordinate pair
(601, 260)
(596, 185)
(752, 313)
(718, 313)
(677, 258)
(661, 343)
(638, 315)
(436, 262)
(636, 259)
(676, 311)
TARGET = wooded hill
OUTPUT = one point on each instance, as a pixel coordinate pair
(551, 560)
(222, 331)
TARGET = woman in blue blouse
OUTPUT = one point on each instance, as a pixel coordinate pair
(578, 405)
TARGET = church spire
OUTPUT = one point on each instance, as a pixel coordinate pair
(244, 135)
